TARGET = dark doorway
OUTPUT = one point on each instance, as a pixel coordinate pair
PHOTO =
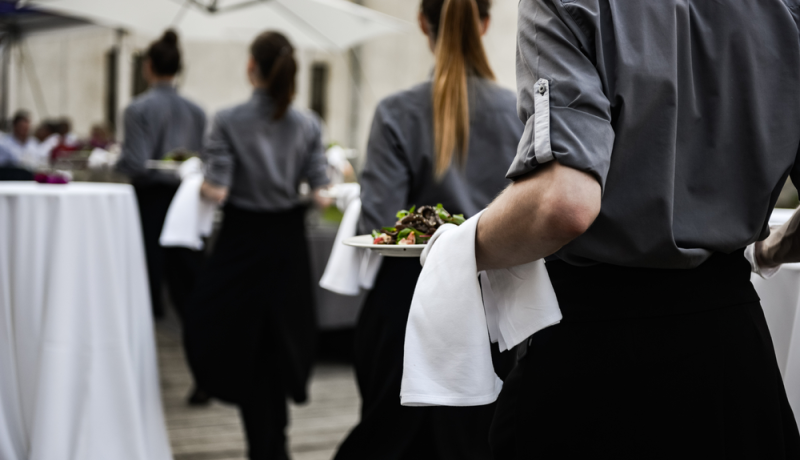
(319, 88)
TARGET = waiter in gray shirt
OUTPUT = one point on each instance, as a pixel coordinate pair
(658, 136)
(250, 330)
(410, 163)
(157, 123)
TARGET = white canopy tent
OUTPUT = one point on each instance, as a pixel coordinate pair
(333, 25)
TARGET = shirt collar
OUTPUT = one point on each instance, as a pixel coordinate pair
(164, 86)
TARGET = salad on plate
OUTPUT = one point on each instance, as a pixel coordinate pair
(416, 226)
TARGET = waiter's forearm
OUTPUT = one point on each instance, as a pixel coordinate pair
(536, 216)
(782, 246)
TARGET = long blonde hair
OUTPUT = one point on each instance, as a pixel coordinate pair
(459, 51)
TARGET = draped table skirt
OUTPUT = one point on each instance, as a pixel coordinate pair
(780, 299)
(78, 369)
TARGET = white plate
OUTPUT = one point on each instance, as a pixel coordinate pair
(388, 250)
(164, 165)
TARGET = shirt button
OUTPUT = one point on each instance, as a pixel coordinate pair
(542, 89)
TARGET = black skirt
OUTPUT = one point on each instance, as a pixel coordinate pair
(387, 430)
(252, 314)
(655, 364)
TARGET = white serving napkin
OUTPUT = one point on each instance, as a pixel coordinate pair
(189, 217)
(447, 358)
(99, 158)
(349, 269)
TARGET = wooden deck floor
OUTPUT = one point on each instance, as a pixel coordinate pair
(215, 432)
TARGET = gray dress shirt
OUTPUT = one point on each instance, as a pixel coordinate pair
(157, 123)
(686, 111)
(399, 171)
(263, 160)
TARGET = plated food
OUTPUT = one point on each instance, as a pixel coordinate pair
(410, 235)
(415, 226)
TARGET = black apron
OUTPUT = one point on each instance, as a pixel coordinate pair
(387, 430)
(254, 296)
(648, 363)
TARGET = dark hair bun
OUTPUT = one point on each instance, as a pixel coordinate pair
(170, 37)
(164, 55)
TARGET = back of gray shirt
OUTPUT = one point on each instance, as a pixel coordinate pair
(399, 171)
(156, 123)
(263, 160)
(686, 111)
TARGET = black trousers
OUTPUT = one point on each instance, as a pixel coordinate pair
(264, 414)
(387, 430)
(179, 267)
(649, 364)
(250, 331)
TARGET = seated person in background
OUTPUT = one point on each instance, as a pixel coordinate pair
(15, 145)
(68, 141)
(17, 149)
(100, 137)
(64, 129)
(46, 130)
(48, 138)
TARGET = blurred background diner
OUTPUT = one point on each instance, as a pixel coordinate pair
(106, 110)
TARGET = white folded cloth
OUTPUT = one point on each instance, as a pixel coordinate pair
(189, 217)
(448, 358)
(99, 158)
(766, 273)
(349, 269)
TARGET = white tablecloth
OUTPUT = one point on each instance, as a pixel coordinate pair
(780, 299)
(78, 373)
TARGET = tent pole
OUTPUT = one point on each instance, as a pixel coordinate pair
(355, 96)
(6, 92)
(354, 62)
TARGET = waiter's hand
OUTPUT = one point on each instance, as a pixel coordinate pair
(781, 246)
(320, 201)
(214, 193)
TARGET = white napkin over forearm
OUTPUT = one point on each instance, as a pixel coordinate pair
(447, 358)
(189, 217)
(349, 269)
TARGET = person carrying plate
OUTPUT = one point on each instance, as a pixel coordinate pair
(658, 137)
(156, 123)
(250, 332)
(450, 141)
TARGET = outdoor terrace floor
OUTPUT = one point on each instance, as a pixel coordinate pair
(215, 432)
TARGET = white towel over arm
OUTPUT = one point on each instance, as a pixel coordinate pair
(189, 217)
(349, 269)
(447, 359)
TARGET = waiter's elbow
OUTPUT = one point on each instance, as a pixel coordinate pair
(572, 209)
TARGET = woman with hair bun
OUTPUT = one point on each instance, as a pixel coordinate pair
(251, 328)
(157, 123)
(449, 140)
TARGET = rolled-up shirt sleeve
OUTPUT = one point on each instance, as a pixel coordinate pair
(316, 165)
(561, 100)
(217, 155)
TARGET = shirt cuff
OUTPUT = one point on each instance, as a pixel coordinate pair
(218, 177)
(766, 273)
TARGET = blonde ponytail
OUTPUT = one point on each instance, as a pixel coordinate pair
(459, 51)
